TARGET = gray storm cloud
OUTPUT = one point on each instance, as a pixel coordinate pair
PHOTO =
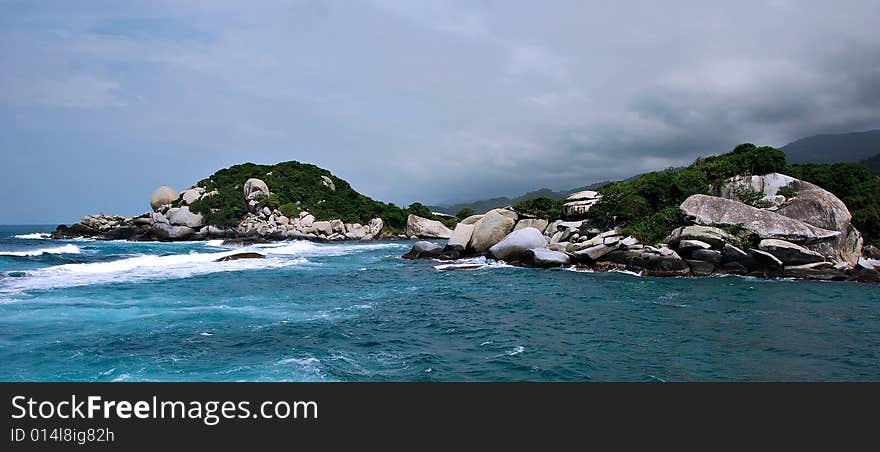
(431, 101)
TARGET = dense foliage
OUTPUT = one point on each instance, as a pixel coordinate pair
(542, 207)
(295, 187)
(854, 184)
(647, 206)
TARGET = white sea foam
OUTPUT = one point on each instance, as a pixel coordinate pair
(625, 272)
(139, 268)
(516, 350)
(34, 235)
(474, 263)
(64, 249)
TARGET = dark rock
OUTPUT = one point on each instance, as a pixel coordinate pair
(825, 273)
(701, 268)
(871, 252)
(711, 256)
(235, 257)
(650, 264)
(766, 259)
(424, 250)
(866, 275)
(733, 268)
(122, 233)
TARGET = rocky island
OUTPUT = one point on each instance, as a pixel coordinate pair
(739, 213)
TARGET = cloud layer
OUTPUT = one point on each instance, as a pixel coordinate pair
(432, 101)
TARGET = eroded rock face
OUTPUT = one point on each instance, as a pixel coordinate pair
(715, 237)
(426, 229)
(162, 196)
(518, 243)
(714, 211)
(491, 229)
(537, 223)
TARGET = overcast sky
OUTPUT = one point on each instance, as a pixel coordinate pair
(102, 101)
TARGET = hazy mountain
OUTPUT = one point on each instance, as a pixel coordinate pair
(842, 147)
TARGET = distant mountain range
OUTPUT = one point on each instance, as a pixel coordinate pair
(861, 147)
(830, 148)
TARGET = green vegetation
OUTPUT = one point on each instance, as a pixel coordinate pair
(742, 238)
(464, 213)
(748, 195)
(854, 184)
(295, 187)
(647, 206)
(542, 207)
(787, 191)
(873, 164)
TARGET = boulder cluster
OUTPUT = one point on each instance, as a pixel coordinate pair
(173, 220)
(807, 234)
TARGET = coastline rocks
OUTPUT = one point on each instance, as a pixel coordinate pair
(255, 189)
(516, 244)
(544, 258)
(375, 227)
(592, 253)
(715, 237)
(649, 264)
(788, 253)
(458, 242)
(425, 228)
(423, 250)
(491, 229)
(710, 211)
(181, 216)
(162, 196)
(871, 252)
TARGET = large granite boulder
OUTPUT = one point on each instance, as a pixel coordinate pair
(181, 216)
(517, 243)
(460, 237)
(162, 196)
(812, 205)
(425, 228)
(544, 258)
(255, 189)
(492, 228)
(578, 204)
(714, 211)
(788, 253)
(375, 226)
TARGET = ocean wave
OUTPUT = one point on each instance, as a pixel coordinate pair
(474, 263)
(139, 268)
(33, 235)
(64, 249)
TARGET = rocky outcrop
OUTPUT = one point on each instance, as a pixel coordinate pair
(181, 216)
(491, 229)
(516, 244)
(192, 195)
(650, 263)
(578, 204)
(162, 196)
(427, 229)
(714, 211)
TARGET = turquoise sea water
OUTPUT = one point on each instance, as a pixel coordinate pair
(85, 310)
